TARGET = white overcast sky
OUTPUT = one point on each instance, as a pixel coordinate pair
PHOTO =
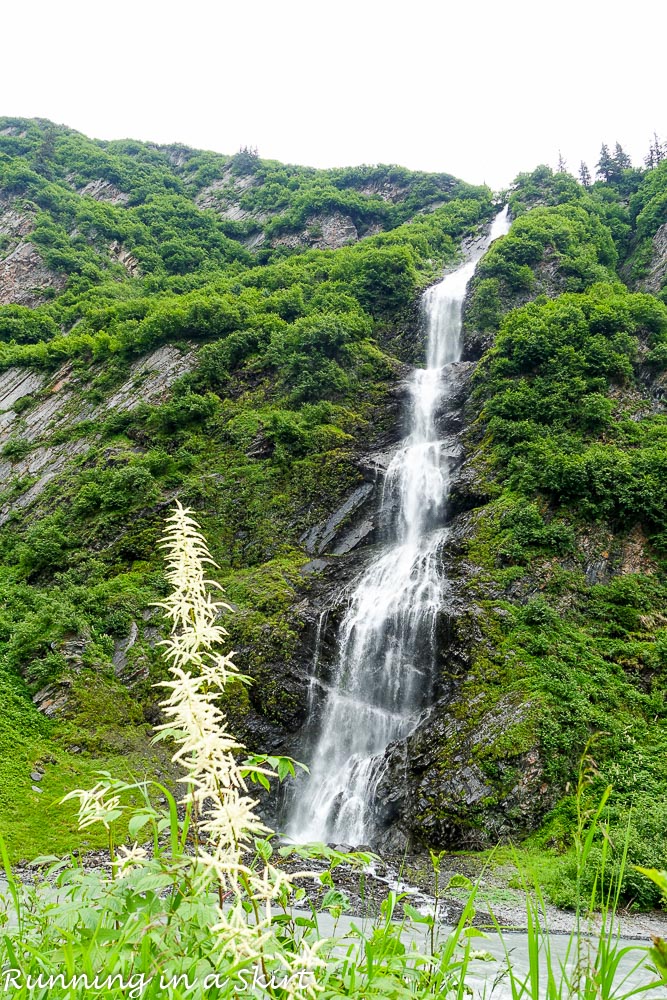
(478, 89)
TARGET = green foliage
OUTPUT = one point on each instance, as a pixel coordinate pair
(544, 387)
(634, 837)
(16, 448)
(567, 237)
(297, 352)
(291, 370)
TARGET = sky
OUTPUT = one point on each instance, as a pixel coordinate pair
(478, 89)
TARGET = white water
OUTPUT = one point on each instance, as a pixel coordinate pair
(383, 680)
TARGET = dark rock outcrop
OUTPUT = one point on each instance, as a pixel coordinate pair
(460, 786)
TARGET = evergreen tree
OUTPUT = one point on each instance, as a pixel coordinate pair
(656, 153)
(621, 159)
(46, 153)
(605, 165)
(659, 149)
(246, 160)
(562, 163)
(584, 175)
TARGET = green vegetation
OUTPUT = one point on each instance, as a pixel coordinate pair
(285, 357)
(290, 365)
(208, 903)
(572, 542)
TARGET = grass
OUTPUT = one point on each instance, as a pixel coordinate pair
(35, 823)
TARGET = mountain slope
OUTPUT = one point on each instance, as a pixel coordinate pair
(236, 333)
(146, 352)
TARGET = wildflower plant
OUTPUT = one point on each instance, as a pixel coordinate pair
(203, 899)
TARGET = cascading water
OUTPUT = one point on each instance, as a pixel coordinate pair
(384, 674)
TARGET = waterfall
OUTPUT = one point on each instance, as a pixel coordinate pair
(384, 673)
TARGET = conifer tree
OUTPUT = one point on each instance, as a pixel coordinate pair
(605, 165)
(562, 163)
(621, 159)
(656, 153)
(584, 175)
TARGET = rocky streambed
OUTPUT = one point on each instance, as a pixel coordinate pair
(499, 898)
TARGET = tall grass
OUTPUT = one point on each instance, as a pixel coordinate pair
(202, 903)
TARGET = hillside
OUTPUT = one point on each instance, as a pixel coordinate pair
(236, 333)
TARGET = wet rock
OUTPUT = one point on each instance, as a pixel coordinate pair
(477, 343)
(122, 646)
(467, 491)
(317, 540)
(314, 566)
(354, 537)
(133, 670)
(462, 784)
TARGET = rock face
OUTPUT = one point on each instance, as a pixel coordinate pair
(56, 407)
(224, 194)
(52, 700)
(15, 224)
(103, 190)
(320, 537)
(15, 383)
(123, 256)
(322, 232)
(24, 277)
(456, 786)
(657, 275)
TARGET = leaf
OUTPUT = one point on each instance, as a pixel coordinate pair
(335, 898)
(44, 859)
(459, 882)
(419, 918)
(471, 932)
(659, 877)
(285, 767)
(263, 848)
(148, 881)
(138, 822)
(659, 955)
